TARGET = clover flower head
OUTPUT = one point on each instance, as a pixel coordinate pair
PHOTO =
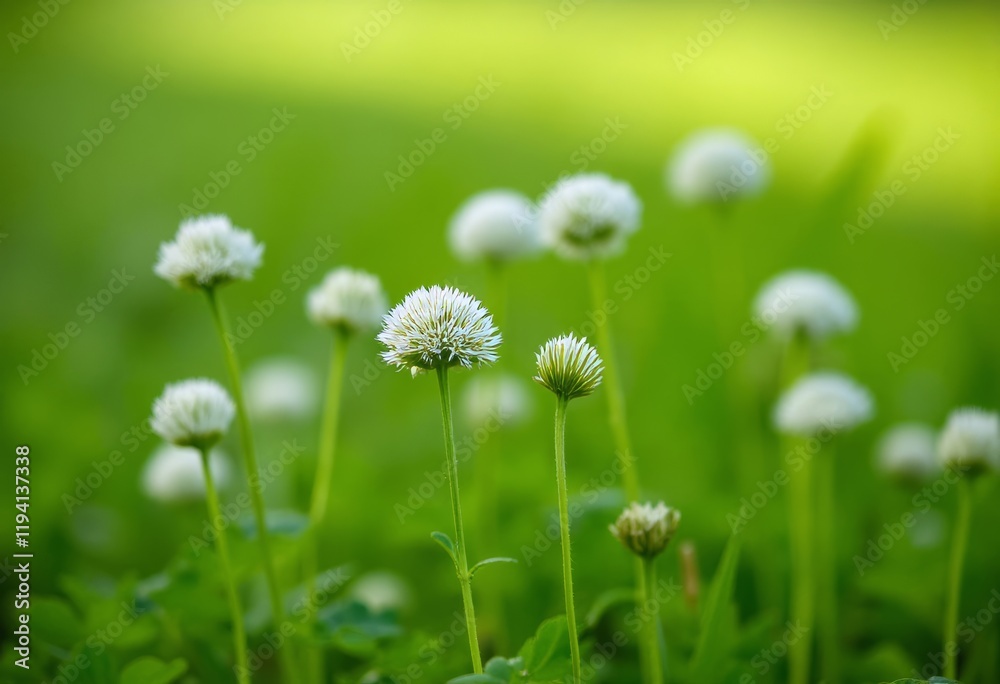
(193, 413)
(645, 529)
(382, 591)
(498, 225)
(971, 441)
(589, 216)
(569, 367)
(208, 251)
(438, 327)
(501, 399)
(175, 473)
(822, 401)
(908, 452)
(805, 301)
(349, 300)
(280, 389)
(715, 164)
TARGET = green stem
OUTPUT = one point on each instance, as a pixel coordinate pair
(654, 668)
(222, 546)
(955, 565)
(451, 460)
(253, 474)
(567, 561)
(324, 477)
(803, 590)
(826, 550)
(612, 383)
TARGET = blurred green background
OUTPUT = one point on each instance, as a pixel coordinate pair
(560, 71)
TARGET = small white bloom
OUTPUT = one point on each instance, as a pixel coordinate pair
(806, 301)
(971, 440)
(208, 251)
(715, 164)
(382, 591)
(348, 299)
(439, 327)
(175, 473)
(280, 389)
(500, 399)
(589, 216)
(908, 451)
(644, 529)
(193, 413)
(498, 225)
(569, 367)
(820, 402)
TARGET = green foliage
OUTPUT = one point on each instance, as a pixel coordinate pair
(149, 670)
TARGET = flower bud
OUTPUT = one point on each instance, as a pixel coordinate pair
(644, 529)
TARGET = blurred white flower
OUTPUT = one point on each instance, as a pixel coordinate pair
(589, 216)
(822, 401)
(439, 327)
(971, 440)
(908, 452)
(715, 164)
(806, 301)
(193, 413)
(498, 225)
(644, 529)
(208, 251)
(501, 398)
(348, 299)
(280, 389)
(569, 367)
(175, 473)
(382, 591)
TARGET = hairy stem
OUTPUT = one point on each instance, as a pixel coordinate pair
(826, 534)
(654, 668)
(567, 560)
(803, 571)
(955, 565)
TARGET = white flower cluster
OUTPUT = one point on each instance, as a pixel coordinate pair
(194, 413)
(908, 452)
(208, 251)
(348, 299)
(714, 164)
(280, 389)
(175, 473)
(569, 367)
(644, 529)
(971, 441)
(497, 225)
(822, 401)
(808, 302)
(501, 398)
(589, 216)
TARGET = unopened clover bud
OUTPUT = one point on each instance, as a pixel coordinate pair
(645, 529)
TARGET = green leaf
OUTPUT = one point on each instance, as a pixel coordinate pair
(711, 656)
(351, 627)
(447, 544)
(149, 670)
(54, 622)
(490, 561)
(605, 602)
(477, 679)
(548, 651)
(503, 668)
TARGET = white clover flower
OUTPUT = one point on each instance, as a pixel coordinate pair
(194, 413)
(439, 327)
(806, 301)
(644, 529)
(715, 164)
(280, 389)
(971, 441)
(820, 402)
(498, 225)
(348, 299)
(589, 216)
(382, 591)
(569, 367)
(491, 398)
(908, 452)
(208, 251)
(175, 473)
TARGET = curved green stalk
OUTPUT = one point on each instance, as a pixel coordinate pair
(826, 551)
(222, 546)
(612, 383)
(955, 565)
(803, 589)
(654, 667)
(253, 474)
(456, 510)
(567, 561)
